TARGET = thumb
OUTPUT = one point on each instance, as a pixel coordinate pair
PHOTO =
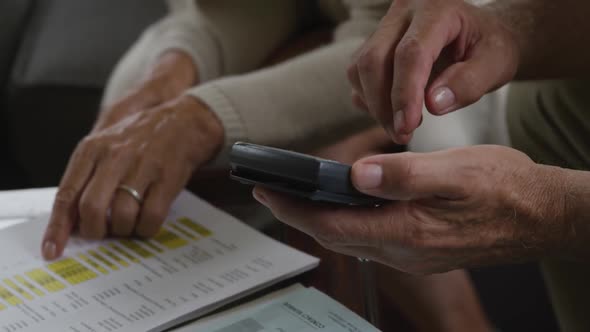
(464, 83)
(405, 176)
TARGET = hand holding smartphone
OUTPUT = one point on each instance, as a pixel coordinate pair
(297, 174)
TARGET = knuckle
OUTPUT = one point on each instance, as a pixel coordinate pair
(371, 60)
(472, 88)
(89, 142)
(499, 41)
(89, 209)
(409, 49)
(88, 147)
(65, 197)
(152, 218)
(156, 165)
(122, 152)
(123, 215)
(400, 97)
(117, 151)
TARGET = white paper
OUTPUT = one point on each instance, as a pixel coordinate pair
(295, 309)
(5, 223)
(26, 203)
(188, 273)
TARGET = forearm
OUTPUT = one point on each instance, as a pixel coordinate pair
(302, 103)
(552, 35)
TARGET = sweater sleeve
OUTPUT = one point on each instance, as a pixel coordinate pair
(225, 36)
(298, 104)
(301, 103)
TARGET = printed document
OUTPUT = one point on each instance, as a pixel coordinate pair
(200, 260)
(294, 309)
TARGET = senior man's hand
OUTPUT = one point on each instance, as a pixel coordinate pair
(155, 152)
(458, 208)
(444, 53)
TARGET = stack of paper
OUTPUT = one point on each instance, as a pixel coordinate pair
(202, 259)
(294, 309)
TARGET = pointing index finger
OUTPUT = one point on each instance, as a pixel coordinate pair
(415, 56)
(65, 207)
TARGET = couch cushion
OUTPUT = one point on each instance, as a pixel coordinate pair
(69, 49)
(13, 16)
(77, 43)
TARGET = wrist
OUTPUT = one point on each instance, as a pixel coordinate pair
(563, 211)
(550, 224)
(204, 121)
(173, 73)
(577, 213)
(538, 202)
(522, 19)
(512, 22)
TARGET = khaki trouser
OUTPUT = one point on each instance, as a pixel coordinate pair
(550, 121)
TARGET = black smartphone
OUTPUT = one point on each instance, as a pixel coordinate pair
(296, 173)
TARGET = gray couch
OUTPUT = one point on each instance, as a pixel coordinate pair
(55, 57)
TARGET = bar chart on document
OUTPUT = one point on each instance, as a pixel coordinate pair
(200, 259)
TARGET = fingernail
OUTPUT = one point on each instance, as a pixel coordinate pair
(443, 98)
(49, 249)
(260, 197)
(369, 176)
(399, 122)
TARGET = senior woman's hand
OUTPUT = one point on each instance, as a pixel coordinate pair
(172, 73)
(444, 53)
(457, 208)
(154, 151)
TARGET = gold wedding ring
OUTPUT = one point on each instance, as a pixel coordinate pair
(131, 191)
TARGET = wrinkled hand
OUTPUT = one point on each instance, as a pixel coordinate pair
(173, 73)
(444, 53)
(457, 208)
(154, 151)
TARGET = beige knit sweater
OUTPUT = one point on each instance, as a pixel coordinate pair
(300, 104)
